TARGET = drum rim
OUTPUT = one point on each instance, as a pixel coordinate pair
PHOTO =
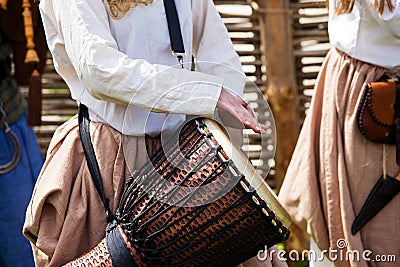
(255, 180)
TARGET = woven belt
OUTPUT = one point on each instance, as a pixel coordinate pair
(14, 103)
(4, 68)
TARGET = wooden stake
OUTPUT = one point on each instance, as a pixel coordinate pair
(35, 81)
(3, 4)
(276, 22)
(31, 54)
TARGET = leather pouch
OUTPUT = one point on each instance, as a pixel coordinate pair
(378, 115)
(377, 112)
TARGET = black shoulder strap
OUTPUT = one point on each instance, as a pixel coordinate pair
(84, 132)
(174, 27)
(83, 117)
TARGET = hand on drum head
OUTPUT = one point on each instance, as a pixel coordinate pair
(237, 113)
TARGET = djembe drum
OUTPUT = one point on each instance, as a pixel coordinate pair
(199, 202)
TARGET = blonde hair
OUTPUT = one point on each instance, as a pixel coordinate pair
(346, 6)
(118, 8)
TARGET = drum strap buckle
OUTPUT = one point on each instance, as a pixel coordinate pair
(175, 33)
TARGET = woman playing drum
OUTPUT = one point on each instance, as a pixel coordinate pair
(115, 56)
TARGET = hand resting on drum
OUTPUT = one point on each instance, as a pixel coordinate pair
(236, 112)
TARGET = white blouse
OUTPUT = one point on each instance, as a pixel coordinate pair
(123, 68)
(367, 35)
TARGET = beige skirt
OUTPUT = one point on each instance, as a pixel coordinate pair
(65, 217)
(334, 168)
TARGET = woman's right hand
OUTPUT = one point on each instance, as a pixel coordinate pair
(236, 112)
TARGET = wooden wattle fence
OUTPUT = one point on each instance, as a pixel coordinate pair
(247, 22)
(310, 45)
(282, 44)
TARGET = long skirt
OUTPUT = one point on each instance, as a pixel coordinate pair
(334, 168)
(16, 188)
(65, 217)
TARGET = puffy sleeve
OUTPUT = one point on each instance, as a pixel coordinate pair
(81, 27)
(388, 19)
(213, 48)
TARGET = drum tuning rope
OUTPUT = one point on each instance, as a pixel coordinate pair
(170, 194)
(174, 211)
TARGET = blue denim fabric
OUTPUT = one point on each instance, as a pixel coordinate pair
(16, 189)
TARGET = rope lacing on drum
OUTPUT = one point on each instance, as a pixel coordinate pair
(138, 230)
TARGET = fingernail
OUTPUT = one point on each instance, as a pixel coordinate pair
(247, 122)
